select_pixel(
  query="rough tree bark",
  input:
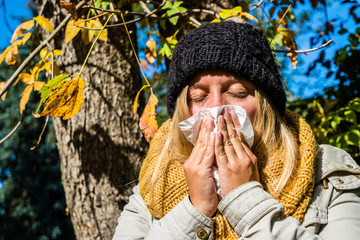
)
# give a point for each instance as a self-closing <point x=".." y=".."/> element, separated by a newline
<point x="101" y="146"/>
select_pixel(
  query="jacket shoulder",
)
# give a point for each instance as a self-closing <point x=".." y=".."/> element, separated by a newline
<point x="338" y="167"/>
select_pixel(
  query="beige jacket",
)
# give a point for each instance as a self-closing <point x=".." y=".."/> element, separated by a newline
<point x="334" y="211"/>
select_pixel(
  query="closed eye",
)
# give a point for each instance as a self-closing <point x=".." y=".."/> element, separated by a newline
<point x="238" y="94"/>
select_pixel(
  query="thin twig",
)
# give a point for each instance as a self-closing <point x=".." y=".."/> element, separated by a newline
<point x="36" y="51"/>
<point x="42" y="132"/>
<point x="150" y="15"/>
<point x="14" y="129"/>
<point x="256" y="6"/>
<point x="303" y="51"/>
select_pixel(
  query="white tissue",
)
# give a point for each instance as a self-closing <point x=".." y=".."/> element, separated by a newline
<point x="191" y="128"/>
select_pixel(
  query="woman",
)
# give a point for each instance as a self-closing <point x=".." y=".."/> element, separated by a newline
<point x="284" y="186"/>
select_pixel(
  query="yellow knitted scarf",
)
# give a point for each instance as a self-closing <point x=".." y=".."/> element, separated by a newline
<point x="170" y="187"/>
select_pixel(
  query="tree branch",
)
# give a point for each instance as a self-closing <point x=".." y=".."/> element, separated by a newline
<point x="12" y="79"/>
<point x="256" y="6"/>
<point x="14" y="129"/>
<point x="303" y="51"/>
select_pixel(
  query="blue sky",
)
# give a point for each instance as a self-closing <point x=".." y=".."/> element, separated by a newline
<point x="299" y="84"/>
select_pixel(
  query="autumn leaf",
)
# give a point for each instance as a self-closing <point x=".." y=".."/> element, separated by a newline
<point x="2" y="84"/>
<point x="66" y="101"/>
<point x="148" y="123"/>
<point x="150" y="50"/>
<point x="44" y="23"/>
<point x="92" y="33"/>
<point x="26" y="78"/>
<point x="136" y="99"/>
<point x="249" y="16"/>
<point x="25" y="97"/>
<point x="71" y="31"/>
<point x="25" y="26"/>
<point x="50" y="87"/>
<point x="38" y="85"/>
<point x="12" y="54"/>
<point x="71" y="8"/>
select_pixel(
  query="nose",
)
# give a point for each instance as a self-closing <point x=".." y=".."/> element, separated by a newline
<point x="216" y="100"/>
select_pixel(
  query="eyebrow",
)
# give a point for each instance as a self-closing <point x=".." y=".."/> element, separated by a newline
<point x="197" y="85"/>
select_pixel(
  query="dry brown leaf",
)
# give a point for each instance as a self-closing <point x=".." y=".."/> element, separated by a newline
<point x="25" y="97"/>
<point x="71" y="8"/>
<point x="148" y="123"/>
<point x="2" y="84"/>
<point x="25" y="26"/>
<point x="66" y="101"/>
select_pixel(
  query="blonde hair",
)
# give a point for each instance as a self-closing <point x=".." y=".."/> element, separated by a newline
<point x="269" y="128"/>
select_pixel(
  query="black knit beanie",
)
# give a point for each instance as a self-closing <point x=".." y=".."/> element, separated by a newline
<point x="238" y="48"/>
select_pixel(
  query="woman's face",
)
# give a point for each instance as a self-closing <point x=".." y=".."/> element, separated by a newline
<point x="216" y="88"/>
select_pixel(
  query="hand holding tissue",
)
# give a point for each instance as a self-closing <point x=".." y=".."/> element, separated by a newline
<point x="191" y="127"/>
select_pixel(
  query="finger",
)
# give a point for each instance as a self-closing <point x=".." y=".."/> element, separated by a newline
<point x="220" y="154"/>
<point x="227" y="143"/>
<point x="236" y="122"/>
<point x="202" y="141"/>
<point x="233" y="135"/>
<point x="205" y="129"/>
<point x="208" y="158"/>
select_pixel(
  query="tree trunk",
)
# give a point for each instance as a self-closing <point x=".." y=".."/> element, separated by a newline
<point x="100" y="147"/>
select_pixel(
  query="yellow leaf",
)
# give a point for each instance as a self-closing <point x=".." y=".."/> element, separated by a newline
<point x="38" y="85"/>
<point x="249" y="16"/>
<point x="2" y="84"/>
<point x="150" y="51"/>
<point x="57" y="52"/>
<point x="148" y="123"/>
<point x="11" y="55"/>
<point x="25" y="26"/>
<point x="92" y="33"/>
<point x="66" y="101"/>
<point x="136" y="99"/>
<point x="25" y="38"/>
<point x="25" y="78"/>
<point x="44" y="23"/>
<point x="25" y="97"/>
<point x="43" y="53"/>
<point x="71" y="31"/>
<point x="85" y="36"/>
<point x="4" y="53"/>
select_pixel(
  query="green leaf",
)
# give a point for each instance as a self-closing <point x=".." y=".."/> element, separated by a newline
<point x="350" y="116"/>
<point x="353" y="137"/>
<point x="226" y="13"/>
<point x="174" y="19"/>
<point x="168" y="5"/>
<point x="167" y="51"/>
<point x="50" y="87"/>
<point x="177" y="4"/>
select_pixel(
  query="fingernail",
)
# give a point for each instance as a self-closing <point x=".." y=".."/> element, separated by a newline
<point x="221" y="119"/>
<point x="226" y="112"/>
<point x="208" y="122"/>
<point x="233" y="114"/>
